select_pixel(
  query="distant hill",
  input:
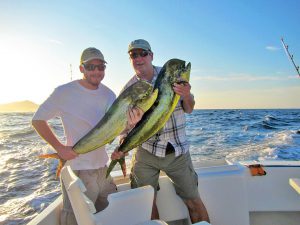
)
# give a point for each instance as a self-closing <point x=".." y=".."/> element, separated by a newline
<point x="21" y="106"/>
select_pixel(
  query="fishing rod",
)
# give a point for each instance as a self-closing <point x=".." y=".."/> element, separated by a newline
<point x="286" y="47"/>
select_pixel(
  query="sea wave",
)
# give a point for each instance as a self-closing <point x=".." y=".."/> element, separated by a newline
<point x="272" y="147"/>
<point x="28" y="184"/>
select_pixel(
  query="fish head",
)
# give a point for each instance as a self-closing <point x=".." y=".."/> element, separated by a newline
<point x="138" y="91"/>
<point x="146" y="103"/>
<point x="177" y="71"/>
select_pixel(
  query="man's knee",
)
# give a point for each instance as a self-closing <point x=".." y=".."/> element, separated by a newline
<point x="193" y="203"/>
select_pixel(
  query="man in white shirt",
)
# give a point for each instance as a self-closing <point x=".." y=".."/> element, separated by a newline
<point x="81" y="104"/>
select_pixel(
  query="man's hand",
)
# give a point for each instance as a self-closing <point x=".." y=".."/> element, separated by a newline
<point x="117" y="155"/>
<point x="66" y="153"/>
<point x="183" y="89"/>
<point x="134" y="115"/>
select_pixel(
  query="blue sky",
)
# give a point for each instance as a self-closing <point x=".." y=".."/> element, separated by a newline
<point x="234" y="46"/>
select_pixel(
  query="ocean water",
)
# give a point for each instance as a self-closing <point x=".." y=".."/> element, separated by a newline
<point x="28" y="184"/>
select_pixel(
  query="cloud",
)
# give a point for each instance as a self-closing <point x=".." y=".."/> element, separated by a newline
<point x="272" y="48"/>
<point x="242" y="77"/>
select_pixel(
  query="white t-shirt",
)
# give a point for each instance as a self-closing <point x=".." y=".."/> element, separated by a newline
<point x="80" y="109"/>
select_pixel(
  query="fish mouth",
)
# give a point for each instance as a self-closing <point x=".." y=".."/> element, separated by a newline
<point x="181" y="82"/>
<point x="181" y="76"/>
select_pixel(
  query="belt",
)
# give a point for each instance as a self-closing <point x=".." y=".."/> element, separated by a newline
<point x="169" y="149"/>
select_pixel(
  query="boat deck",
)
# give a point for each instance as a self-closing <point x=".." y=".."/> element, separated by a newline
<point x="231" y="195"/>
<point x="274" y="218"/>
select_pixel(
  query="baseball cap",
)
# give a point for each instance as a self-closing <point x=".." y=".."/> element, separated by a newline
<point x="91" y="53"/>
<point x="139" y="43"/>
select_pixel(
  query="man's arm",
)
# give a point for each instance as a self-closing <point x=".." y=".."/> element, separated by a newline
<point x="44" y="130"/>
<point x="184" y="90"/>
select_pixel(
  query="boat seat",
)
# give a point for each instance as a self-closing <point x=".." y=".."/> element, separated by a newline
<point x="295" y="183"/>
<point x="223" y="192"/>
<point x="130" y="207"/>
<point x="169" y="204"/>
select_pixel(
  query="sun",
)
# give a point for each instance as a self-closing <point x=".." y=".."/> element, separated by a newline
<point x="24" y="69"/>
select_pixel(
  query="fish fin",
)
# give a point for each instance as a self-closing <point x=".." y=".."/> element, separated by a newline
<point x="61" y="162"/>
<point x="122" y="163"/>
<point x="110" y="167"/>
<point x="113" y="163"/>
<point x="49" y="156"/>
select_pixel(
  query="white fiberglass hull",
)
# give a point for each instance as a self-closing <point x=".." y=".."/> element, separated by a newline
<point x="231" y="195"/>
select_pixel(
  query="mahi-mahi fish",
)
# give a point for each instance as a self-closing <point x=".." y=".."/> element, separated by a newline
<point x="140" y="95"/>
<point x="173" y="71"/>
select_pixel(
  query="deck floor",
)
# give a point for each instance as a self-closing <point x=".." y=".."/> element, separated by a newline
<point x="263" y="218"/>
<point x="274" y="218"/>
<point x="179" y="222"/>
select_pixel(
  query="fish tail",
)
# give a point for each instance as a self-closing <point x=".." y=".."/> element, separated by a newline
<point x="49" y="156"/>
<point x="122" y="163"/>
<point x="61" y="162"/>
<point x="110" y="167"/>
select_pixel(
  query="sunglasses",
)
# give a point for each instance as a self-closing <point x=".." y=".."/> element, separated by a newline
<point x="134" y="55"/>
<point x="92" y="67"/>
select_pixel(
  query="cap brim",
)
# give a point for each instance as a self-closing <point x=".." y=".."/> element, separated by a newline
<point x="138" y="47"/>
<point x="94" y="58"/>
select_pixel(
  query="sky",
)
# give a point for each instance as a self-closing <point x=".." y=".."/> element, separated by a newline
<point x="234" y="46"/>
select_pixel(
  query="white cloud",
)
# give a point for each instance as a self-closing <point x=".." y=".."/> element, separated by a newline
<point x="272" y="48"/>
<point x="242" y="77"/>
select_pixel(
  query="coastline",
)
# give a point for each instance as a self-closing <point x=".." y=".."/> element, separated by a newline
<point x="20" y="106"/>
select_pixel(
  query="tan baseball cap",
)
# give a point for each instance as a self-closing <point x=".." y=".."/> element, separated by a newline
<point x="139" y="43"/>
<point x="91" y="53"/>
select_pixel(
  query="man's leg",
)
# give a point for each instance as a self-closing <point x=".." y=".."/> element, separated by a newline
<point x="197" y="210"/>
<point x="144" y="171"/>
<point x="154" y="214"/>
<point x="180" y="170"/>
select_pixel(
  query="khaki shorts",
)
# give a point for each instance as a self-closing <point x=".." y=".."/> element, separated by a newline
<point x="146" y="168"/>
<point x="98" y="188"/>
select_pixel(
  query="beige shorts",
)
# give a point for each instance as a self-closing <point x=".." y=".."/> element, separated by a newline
<point x="98" y="187"/>
<point x="146" y="168"/>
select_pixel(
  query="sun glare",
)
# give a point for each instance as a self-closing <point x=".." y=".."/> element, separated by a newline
<point x="23" y="69"/>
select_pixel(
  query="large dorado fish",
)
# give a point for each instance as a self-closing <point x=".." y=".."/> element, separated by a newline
<point x="173" y="71"/>
<point x="140" y="94"/>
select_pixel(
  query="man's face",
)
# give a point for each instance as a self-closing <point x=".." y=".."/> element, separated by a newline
<point x="141" y="60"/>
<point x="94" y="71"/>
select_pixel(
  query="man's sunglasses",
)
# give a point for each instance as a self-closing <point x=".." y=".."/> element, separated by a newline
<point x="92" y="67"/>
<point x="134" y="55"/>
